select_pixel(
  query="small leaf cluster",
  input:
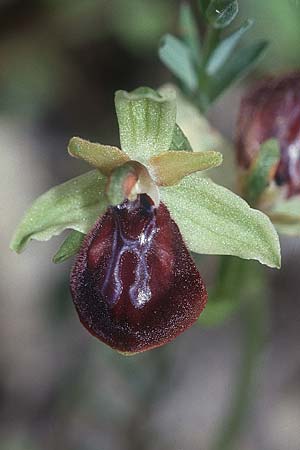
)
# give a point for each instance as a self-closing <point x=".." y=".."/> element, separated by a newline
<point x="206" y="64"/>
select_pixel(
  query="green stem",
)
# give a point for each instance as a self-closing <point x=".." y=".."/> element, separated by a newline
<point x="211" y="40"/>
<point x="139" y="437"/>
<point x="254" y="325"/>
<point x="254" y="306"/>
<point x="202" y="99"/>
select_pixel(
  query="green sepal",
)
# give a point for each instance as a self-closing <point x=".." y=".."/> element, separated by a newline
<point x="214" y="220"/>
<point x="75" y="204"/>
<point x="69" y="247"/>
<point x="262" y="170"/>
<point x="146" y="122"/>
<point x="220" y="13"/>
<point x="103" y="157"/>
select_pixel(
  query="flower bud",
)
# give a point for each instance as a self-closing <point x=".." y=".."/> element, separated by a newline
<point x="272" y="110"/>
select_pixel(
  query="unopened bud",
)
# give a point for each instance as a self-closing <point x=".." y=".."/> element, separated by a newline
<point x="272" y="110"/>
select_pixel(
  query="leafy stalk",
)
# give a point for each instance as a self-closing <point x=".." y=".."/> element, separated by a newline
<point x="218" y="66"/>
<point x="254" y="319"/>
<point x="206" y="67"/>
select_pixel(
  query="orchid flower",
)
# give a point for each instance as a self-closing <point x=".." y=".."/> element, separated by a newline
<point x="268" y="142"/>
<point x="136" y="219"/>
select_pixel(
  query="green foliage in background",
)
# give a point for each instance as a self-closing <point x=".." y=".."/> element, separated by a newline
<point x="206" y="67"/>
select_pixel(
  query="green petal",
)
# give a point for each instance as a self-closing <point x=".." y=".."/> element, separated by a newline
<point x="104" y="157"/>
<point x="146" y="122"/>
<point x="75" y="204"/>
<point x="213" y="220"/>
<point x="170" y="167"/>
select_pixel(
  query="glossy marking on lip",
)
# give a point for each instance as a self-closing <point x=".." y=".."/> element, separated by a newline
<point x="139" y="292"/>
<point x="134" y="283"/>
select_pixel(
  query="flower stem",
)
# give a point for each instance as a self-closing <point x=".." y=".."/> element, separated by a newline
<point x="254" y="319"/>
<point x="211" y="40"/>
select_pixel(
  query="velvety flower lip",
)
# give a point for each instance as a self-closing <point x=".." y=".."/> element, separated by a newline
<point x="272" y="110"/>
<point x="134" y="283"/>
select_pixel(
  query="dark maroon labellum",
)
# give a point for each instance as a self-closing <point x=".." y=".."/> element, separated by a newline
<point x="272" y="110"/>
<point x="134" y="283"/>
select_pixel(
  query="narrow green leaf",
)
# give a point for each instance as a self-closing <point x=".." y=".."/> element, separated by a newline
<point x="170" y="167"/>
<point x="180" y="141"/>
<point x="146" y="122"/>
<point x="223" y="51"/>
<point x="178" y="58"/>
<point x="213" y="220"/>
<point x="236" y="67"/>
<point x="262" y="170"/>
<point x="220" y="13"/>
<point x="286" y="216"/>
<point x="104" y="157"/>
<point x="75" y="204"/>
<point x="190" y="32"/>
<point x="69" y="247"/>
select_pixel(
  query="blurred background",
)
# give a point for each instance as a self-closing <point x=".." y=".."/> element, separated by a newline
<point x="60" y="63"/>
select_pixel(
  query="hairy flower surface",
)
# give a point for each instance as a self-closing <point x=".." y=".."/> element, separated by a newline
<point x="134" y="284"/>
<point x="272" y="110"/>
